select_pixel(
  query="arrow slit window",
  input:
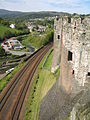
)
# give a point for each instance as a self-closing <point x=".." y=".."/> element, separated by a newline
<point x="89" y="74"/>
<point x="58" y="36"/>
<point x="69" y="56"/>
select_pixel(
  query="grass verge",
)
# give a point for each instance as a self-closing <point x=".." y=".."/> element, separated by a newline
<point x="6" y="79"/>
<point x="43" y="81"/>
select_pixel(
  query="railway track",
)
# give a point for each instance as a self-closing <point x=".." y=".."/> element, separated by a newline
<point x="13" y="96"/>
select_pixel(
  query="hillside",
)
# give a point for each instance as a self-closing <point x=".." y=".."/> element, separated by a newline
<point x="6" y="32"/>
<point x="28" y="15"/>
<point x="7" y="14"/>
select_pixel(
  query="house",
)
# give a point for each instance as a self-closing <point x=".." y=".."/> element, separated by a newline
<point x="41" y="28"/>
<point x="12" y="26"/>
<point x="11" y="44"/>
<point x="33" y="27"/>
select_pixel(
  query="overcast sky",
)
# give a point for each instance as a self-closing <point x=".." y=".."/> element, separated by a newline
<point x="71" y="6"/>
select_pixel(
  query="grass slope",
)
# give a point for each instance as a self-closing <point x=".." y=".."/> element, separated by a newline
<point x="6" y="32"/>
<point x="43" y="81"/>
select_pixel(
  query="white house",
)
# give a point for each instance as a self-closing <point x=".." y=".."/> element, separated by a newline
<point x="12" y="26"/>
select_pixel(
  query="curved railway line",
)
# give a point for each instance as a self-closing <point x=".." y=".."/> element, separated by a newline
<point x="13" y="96"/>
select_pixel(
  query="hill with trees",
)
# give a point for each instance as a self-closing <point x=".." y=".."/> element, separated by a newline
<point x="29" y="15"/>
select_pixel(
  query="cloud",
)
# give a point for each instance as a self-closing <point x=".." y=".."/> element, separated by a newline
<point x="11" y="1"/>
<point x="65" y="3"/>
<point x="79" y="6"/>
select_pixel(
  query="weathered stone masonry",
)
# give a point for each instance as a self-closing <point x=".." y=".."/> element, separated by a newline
<point x="57" y="44"/>
<point x="71" y="93"/>
<point x="72" y="51"/>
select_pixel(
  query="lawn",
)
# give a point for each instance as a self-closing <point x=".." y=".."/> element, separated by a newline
<point x="43" y="81"/>
<point x="48" y="62"/>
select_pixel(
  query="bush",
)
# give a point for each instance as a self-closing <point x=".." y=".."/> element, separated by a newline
<point x="2" y="51"/>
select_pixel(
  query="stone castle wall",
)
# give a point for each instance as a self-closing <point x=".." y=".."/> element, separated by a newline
<point x="57" y="44"/>
<point x="68" y="96"/>
<point x="72" y="51"/>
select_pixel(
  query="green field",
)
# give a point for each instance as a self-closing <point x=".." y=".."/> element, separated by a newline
<point x="43" y="81"/>
<point x="6" y="32"/>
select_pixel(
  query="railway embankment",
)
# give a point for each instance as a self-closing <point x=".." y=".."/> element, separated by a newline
<point x="43" y="81"/>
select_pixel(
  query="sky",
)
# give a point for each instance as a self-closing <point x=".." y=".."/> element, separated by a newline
<point x="71" y="6"/>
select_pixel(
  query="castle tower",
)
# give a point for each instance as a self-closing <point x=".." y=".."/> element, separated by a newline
<point x="71" y="51"/>
<point x="57" y="44"/>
